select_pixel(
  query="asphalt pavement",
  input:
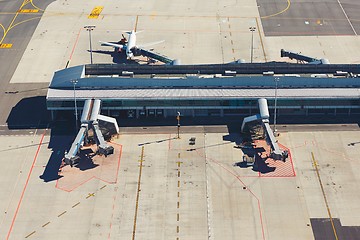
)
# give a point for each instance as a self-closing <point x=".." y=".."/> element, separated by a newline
<point x="18" y="21"/>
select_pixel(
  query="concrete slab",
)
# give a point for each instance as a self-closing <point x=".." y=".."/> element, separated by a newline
<point x="193" y="32"/>
<point x="186" y="191"/>
<point x="192" y="35"/>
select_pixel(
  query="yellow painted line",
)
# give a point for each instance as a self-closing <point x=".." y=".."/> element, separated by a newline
<point x="261" y="40"/>
<point x="323" y="192"/>
<point x="12" y="21"/>
<point x="90" y="195"/>
<point x="96" y="12"/>
<point x="45" y="224"/>
<point x="29" y="10"/>
<point x="278" y="13"/>
<point x="27" y="20"/>
<point x="178" y="163"/>
<point x="153" y="15"/>
<point x="76" y="204"/>
<point x="36" y="6"/>
<point x="30" y="234"/>
<point x="138" y="194"/>
<point x="62" y="213"/>
<point x="6" y="45"/>
<point x="136" y="22"/>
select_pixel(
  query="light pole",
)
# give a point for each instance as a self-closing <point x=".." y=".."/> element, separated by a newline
<point x="252" y="30"/>
<point x="89" y="29"/>
<point x="178" y="125"/>
<point x="275" y="113"/>
<point x="74" y="82"/>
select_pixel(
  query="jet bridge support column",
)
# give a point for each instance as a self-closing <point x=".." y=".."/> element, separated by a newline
<point x="103" y="147"/>
<point x="72" y="157"/>
<point x="89" y="119"/>
<point x="263" y="117"/>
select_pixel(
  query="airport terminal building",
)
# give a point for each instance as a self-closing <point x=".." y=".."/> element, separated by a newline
<point x="228" y="94"/>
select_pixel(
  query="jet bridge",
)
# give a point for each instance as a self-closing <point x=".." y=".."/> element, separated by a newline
<point x="90" y="120"/>
<point x="263" y="117"/>
<point x="302" y="58"/>
<point x="159" y="57"/>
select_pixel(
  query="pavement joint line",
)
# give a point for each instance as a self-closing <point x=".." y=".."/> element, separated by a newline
<point x="26" y="184"/>
<point x="62" y="213"/>
<point x="208" y="160"/>
<point x="76" y="204"/>
<point x="178" y="184"/>
<point x="178" y="204"/>
<point x="177" y="229"/>
<point x="29" y="235"/>
<point x="46" y="224"/>
<point x="261" y="40"/>
<point x="103" y="187"/>
<point x="324" y="195"/>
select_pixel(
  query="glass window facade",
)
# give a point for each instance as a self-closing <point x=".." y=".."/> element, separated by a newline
<point x="211" y="103"/>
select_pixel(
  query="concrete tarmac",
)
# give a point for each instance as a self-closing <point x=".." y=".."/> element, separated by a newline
<point x="165" y="188"/>
<point x="157" y="186"/>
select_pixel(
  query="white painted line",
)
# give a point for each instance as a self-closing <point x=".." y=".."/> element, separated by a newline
<point x="347" y="17"/>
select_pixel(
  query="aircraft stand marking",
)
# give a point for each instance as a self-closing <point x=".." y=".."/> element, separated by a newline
<point x="315" y="164"/>
<point x="96" y="12"/>
<point x="138" y="192"/>
<point x="61" y="214"/>
<point x="261" y="40"/>
<point x="5" y="45"/>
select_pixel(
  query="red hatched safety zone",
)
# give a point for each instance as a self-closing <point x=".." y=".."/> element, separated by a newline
<point x="276" y="168"/>
<point x="98" y="167"/>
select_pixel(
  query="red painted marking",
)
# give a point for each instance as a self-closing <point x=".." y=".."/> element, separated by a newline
<point x="70" y="189"/>
<point x="242" y="183"/>
<point x="76" y="41"/>
<point x="282" y="169"/>
<point x="112" y="215"/>
<point x="26" y="184"/>
<point x="118" y="168"/>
